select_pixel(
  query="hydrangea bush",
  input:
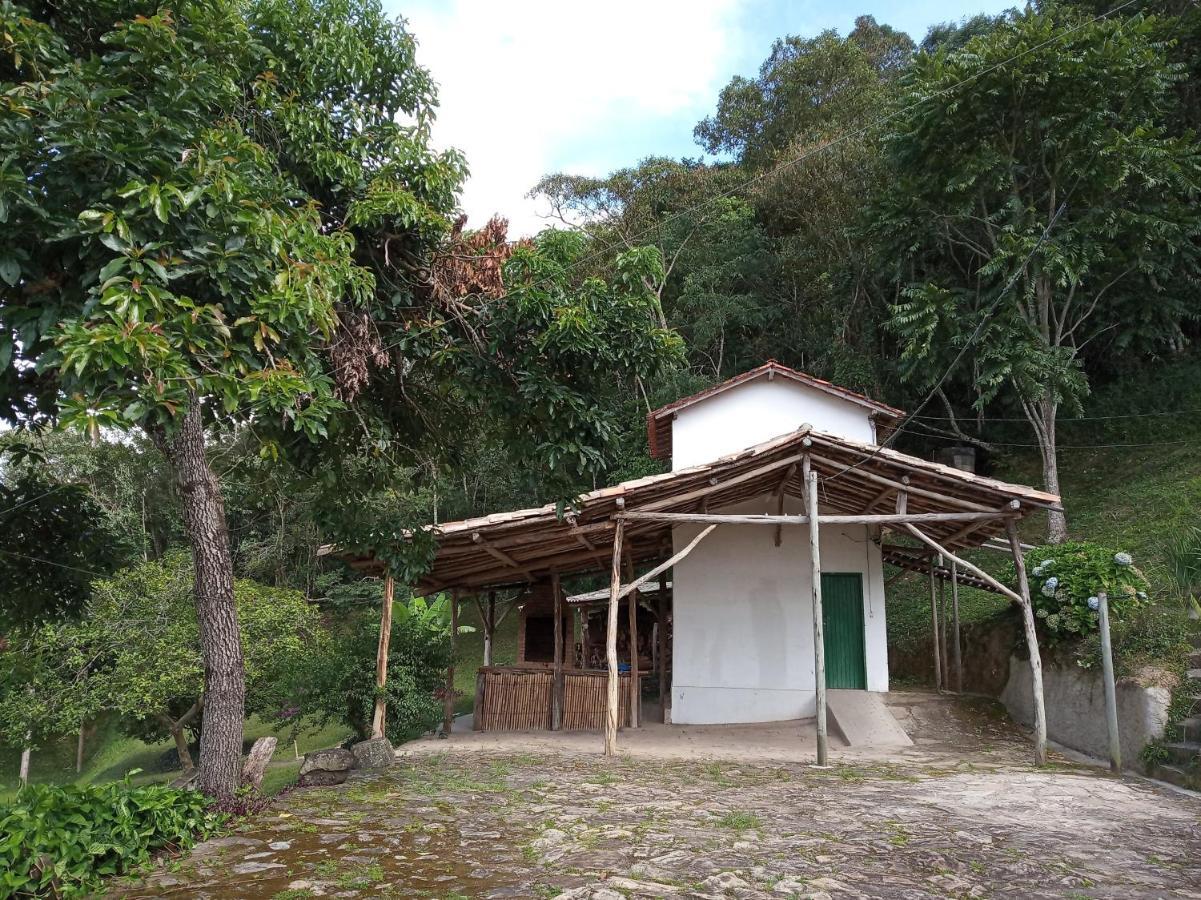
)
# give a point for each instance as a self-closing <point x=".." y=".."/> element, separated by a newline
<point x="1067" y="579"/>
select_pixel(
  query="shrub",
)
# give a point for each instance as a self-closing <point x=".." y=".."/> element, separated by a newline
<point x="61" y="841"/>
<point x="1064" y="578"/>
<point x="1152" y="636"/>
<point x="340" y="685"/>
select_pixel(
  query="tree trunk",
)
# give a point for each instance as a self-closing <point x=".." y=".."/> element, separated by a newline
<point x="79" y="750"/>
<point x="181" y="748"/>
<point x="1042" y="414"/>
<point x="1057" y="523"/>
<point x="220" y="640"/>
<point x="24" y="773"/>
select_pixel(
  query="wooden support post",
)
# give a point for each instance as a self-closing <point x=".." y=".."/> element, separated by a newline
<point x="635" y="692"/>
<point x="1036" y="662"/>
<point x="381" y="658"/>
<point x="934" y="625"/>
<point x="489" y="627"/>
<point x="662" y="636"/>
<point x="611" y="645"/>
<point x="448" y="707"/>
<point x="942" y="614"/>
<point x="1111" y="689"/>
<point x="955" y="621"/>
<point x="819" y="647"/>
<point x="556" y="711"/>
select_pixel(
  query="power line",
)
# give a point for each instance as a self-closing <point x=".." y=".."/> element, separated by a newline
<point x="968" y="417"/>
<point x="1059" y="446"/>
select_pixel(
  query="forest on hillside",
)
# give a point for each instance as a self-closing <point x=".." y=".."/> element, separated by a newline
<point x="262" y="326"/>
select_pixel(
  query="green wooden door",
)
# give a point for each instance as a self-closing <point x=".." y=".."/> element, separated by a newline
<point x="842" y="621"/>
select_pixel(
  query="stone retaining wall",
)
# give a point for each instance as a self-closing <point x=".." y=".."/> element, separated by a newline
<point x="1075" y="702"/>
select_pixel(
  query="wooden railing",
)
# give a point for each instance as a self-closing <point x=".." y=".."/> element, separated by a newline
<point x="508" y="698"/>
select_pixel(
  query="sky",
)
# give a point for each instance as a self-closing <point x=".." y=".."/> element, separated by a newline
<point x="530" y="87"/>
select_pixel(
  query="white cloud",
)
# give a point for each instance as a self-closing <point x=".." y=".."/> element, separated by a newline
<point x="526" y="85"/>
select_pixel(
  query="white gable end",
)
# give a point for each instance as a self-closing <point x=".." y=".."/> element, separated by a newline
<point x="757" y="411"/>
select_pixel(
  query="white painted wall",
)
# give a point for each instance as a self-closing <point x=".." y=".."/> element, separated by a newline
<point x="743" y="624"/>
<point x="757" y="411"/>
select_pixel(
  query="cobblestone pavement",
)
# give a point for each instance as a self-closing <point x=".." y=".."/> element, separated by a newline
<point x="961" y="815"/>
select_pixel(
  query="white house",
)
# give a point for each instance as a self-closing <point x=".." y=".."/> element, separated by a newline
<point x="757" y="463"/>
<point x="743" y="644"/>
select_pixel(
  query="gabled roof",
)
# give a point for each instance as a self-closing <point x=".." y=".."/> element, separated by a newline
<point x="658" y="422"/>
<point x="526" y="545"/>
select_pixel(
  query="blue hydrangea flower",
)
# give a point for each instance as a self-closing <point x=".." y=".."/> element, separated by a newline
<point x="1046" y="564"/>
<point x="1094" y="603"/>
<point x="1049" y="586"/>
<point x="1038" y="572"/>
<point x="1123" y="559"/>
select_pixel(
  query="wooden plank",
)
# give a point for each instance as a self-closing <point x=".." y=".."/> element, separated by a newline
<point x="663" y="567"/>
<point x="864" y="474"/>
<point x="955" y="623"/>
<point x="496" y="553"/>
<point x="825" y="519"/>
<point x="976" y="570"/>
<point x="720" y="485"/>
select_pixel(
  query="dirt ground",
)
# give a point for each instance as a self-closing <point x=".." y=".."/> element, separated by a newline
<point x="961" y="814"/>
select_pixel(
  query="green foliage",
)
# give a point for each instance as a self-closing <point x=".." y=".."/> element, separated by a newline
<point x="340" y="686"/>
<point x="1184" y="565"/>
<point x="987" y="144"/>
<point x="53" y="540"/>
<point x="1156" y="636"/>
<point x="1065" y="580"/>
<point x="568" y="341"/>
<point x="136" y="651"/>
<point x="803" y="85"/>
<point x="207" y="257"/>
<point x="61" y="841"/>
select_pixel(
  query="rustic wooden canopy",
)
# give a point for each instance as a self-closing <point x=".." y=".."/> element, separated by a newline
<point x="856" y="482"/>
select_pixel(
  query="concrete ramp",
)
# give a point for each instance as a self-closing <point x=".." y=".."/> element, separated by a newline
<point x="863" y="719"/>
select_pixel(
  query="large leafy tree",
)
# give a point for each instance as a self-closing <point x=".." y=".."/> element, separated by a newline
<point x="227" y="212"/>
<point x="168" y="262"/>
<point x="1039" y="211"/>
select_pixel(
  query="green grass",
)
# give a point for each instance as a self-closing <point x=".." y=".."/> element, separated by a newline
<point x="1135" y="498"/>
<point x="740" y="821"/>
<point x="470" y="650"/>
<point x="113" y="755"/>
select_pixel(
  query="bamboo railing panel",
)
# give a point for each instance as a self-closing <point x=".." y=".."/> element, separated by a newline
<point x="519" y="699"/>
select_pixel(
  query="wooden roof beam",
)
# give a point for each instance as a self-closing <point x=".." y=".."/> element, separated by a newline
<point x="937" y="496"/>
<point x="902" y="518"/>
<point x="715" y="484"/>
<point x="498" y="554"/>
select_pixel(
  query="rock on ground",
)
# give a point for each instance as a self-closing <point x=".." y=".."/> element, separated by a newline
<point x="375" y="753"/>
<point x="325" y="767"/>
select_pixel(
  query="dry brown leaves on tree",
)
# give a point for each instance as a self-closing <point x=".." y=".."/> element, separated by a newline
<point x="468" y="267"/>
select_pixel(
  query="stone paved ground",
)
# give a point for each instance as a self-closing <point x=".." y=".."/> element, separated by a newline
<point x="962" y="815"/>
